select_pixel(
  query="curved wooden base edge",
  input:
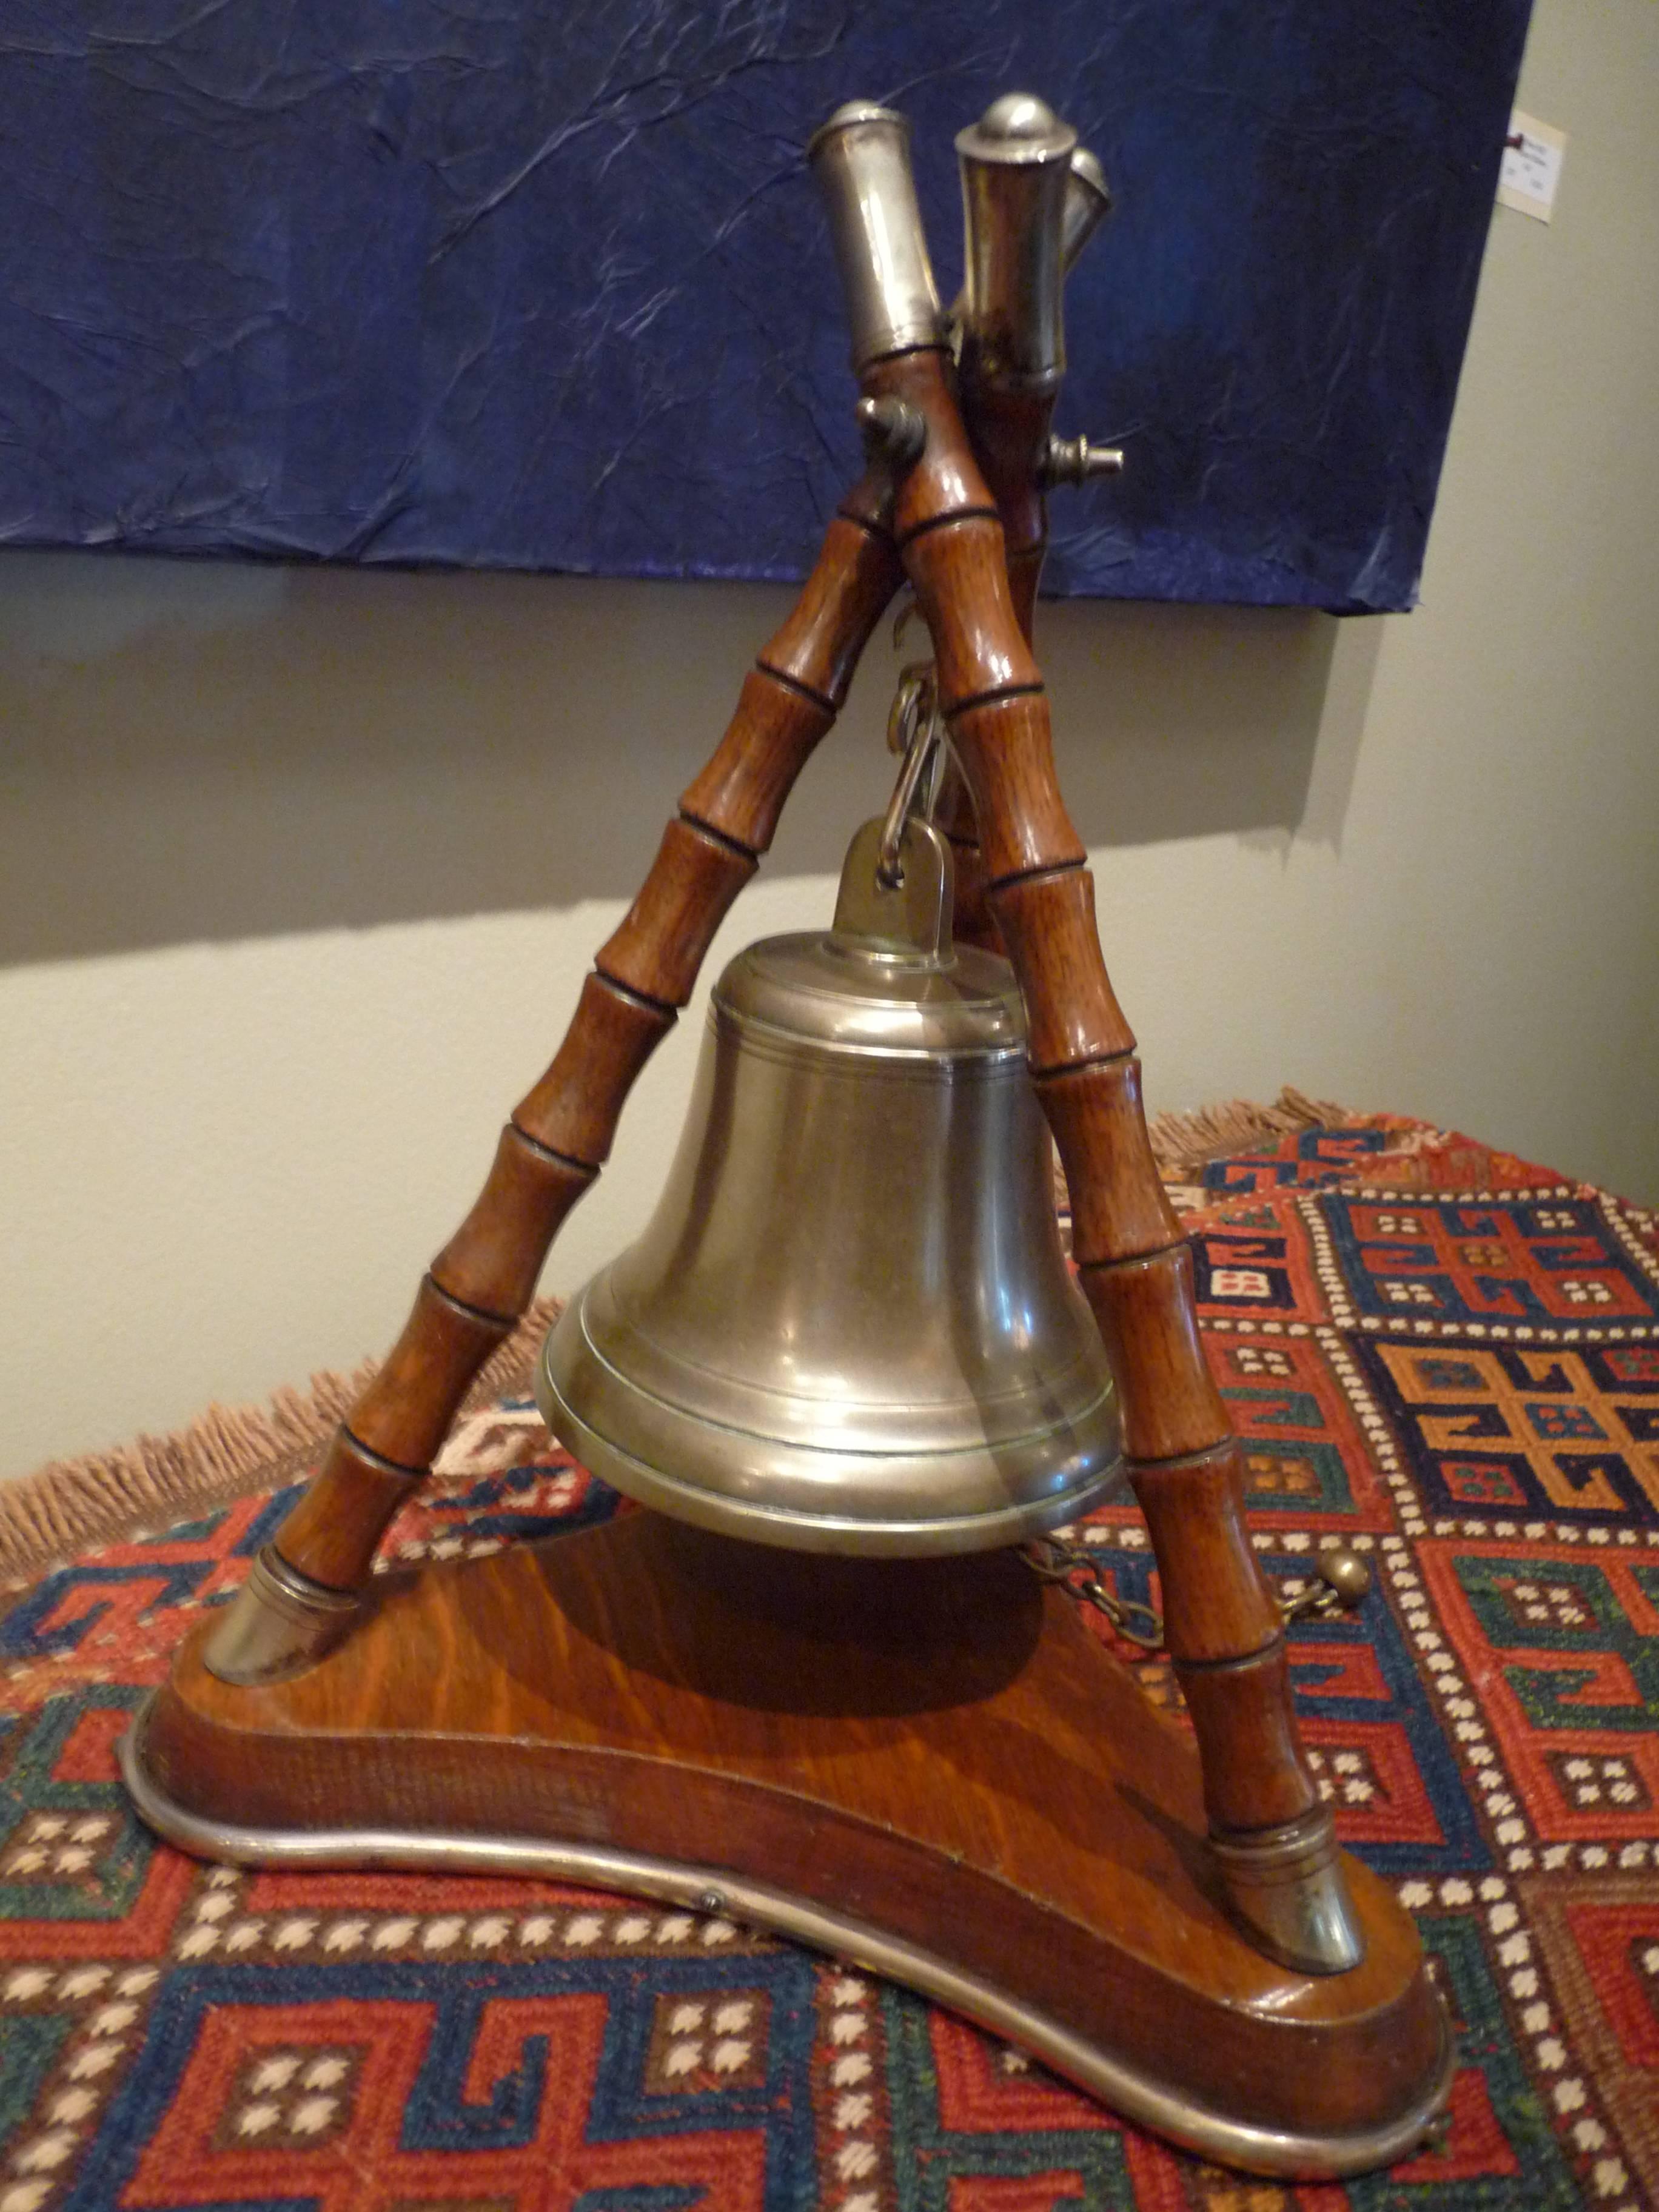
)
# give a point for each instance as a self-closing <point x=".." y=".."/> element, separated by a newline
<point x="930" y="1768"/>
<point x="1223" y="2136"/>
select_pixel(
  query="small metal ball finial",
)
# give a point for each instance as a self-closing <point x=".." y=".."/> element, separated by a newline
<point x="1344" y="1581"/>
<point x="1015" y="132"/>
<point x="1345" y="1573"/>
<point x="1018" y="115"/>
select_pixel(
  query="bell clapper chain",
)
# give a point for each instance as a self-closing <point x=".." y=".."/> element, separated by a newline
<point x="1343" y="1584"/>
<point x="1051" y="1559"/>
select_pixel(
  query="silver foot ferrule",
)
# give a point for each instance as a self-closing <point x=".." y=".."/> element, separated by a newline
<point x="1287" y="1887"/>
<point x="279" y="1623"/>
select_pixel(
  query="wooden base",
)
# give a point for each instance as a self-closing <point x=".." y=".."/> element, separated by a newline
<point x="931" y="1768"/>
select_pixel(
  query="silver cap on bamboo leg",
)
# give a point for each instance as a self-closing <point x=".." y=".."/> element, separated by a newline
<point x="1015" y="164"/>
<point x="1088" y="203"/>
<point x="861" y="158"/>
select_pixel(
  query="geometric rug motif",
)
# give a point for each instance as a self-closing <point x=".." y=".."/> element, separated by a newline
<point x="1442" y="1354"/>
<point x="1259" y="1262"/>
<point x="1387" y="1148"/>
<point x="1558" y="1265"/>
<point x="1558" y="1431"/>
<point x="1302" y="1416"/>
<point x="1566" y="1645"/>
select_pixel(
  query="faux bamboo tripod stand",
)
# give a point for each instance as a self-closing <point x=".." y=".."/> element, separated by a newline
<point x="1181" y="1935"/>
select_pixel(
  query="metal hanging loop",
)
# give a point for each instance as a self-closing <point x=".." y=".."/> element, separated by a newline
<point x="915" y="732"/>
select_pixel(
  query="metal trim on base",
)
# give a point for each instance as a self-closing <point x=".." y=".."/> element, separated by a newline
<point x="1135" y="2095"/>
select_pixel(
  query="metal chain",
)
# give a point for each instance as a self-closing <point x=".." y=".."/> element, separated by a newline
<point x="1053" y="1561"/>
<point x="1340" y="1587"/>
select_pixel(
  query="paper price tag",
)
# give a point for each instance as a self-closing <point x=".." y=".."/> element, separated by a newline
<point x="1532" y="167"/>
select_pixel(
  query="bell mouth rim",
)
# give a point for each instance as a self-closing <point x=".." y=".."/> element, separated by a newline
<point x="794" y="1527"/>
<point x="603" y="1346"/>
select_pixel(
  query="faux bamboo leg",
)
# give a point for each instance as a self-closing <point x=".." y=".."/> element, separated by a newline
<point x="1005" y="434"/>
<point x="972" y="921"/>
<point x="301" y="1595"/>
<point x="1275" y="1841"/>
<point x="1009" y="434"/>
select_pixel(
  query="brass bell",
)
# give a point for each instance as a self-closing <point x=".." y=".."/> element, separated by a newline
<point x="849" y="1326"/>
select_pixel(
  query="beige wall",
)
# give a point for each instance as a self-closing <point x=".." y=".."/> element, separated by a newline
<point x="300" y="871"/>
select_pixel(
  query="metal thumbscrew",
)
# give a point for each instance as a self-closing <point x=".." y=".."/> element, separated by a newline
<point x="1344" y="1581"/>
<point x="894" y="432"/>
<point x="1075" y="461"/>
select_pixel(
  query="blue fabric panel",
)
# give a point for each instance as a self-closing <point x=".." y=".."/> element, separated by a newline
<point x="539" y="286"/>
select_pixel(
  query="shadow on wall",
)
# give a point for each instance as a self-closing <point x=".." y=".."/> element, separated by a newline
<point x="220" y="751"/>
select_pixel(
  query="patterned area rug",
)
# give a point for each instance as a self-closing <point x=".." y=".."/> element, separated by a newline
<point x="1443" y="1354"/>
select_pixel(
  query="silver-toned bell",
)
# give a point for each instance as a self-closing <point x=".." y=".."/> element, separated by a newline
<point x="849" y="1326"/>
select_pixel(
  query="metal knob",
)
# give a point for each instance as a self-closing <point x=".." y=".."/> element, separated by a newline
<point x="1075" y="461"/>
<point x="1344" y="1585"/>
<point x="894" y="432"/>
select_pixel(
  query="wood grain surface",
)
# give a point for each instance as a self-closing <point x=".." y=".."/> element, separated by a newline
<point x="939" y="1748"/>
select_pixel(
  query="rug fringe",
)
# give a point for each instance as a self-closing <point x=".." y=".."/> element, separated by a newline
<point x="64" y="1506"/>
<point x="1183" y="1141"/>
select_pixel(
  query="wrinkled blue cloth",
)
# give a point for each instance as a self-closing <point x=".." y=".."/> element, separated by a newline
<point x="548" y="286"/>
